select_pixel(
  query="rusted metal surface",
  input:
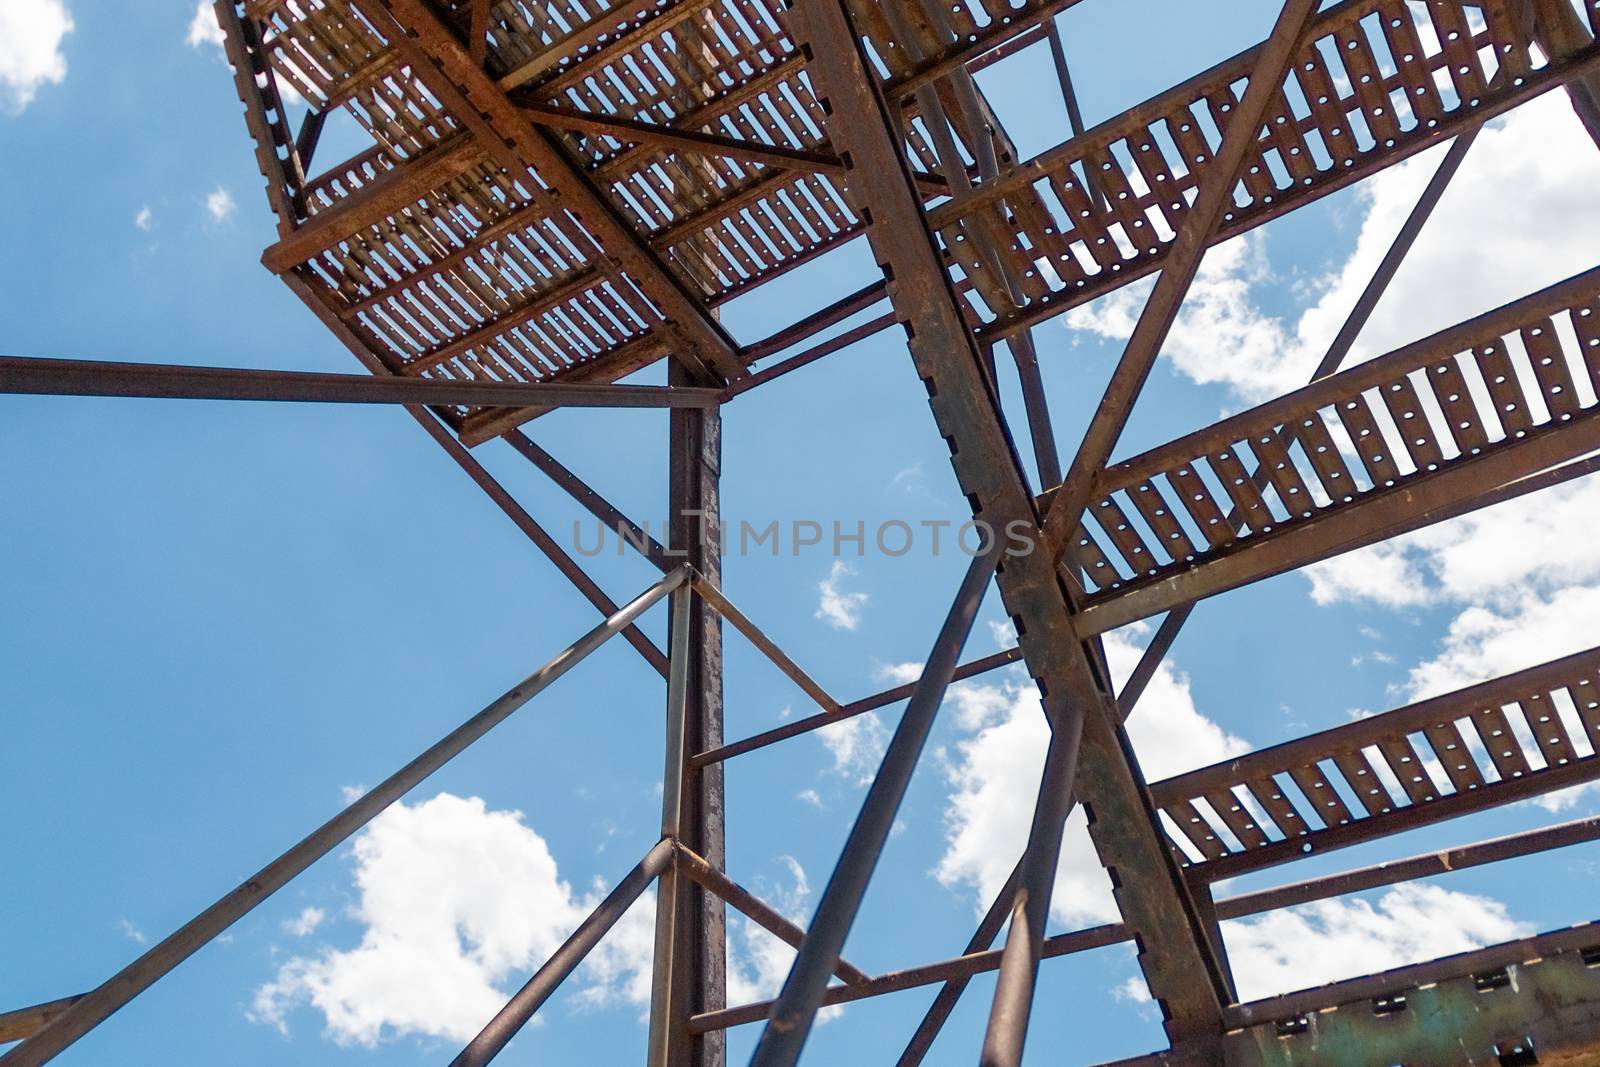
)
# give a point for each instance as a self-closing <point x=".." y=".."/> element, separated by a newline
<point x="1175" y="959"/>
<point x="1535" y="1001"/>
<point x="694" y="492"/>
<point x="958" y="971"/>
<point x="1338" y="451"/>
<point x="84" y="377"/>
<point x="1487" y="745"/>
<point x="559" y="193"/>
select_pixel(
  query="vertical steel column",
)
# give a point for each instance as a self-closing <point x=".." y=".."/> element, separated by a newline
<point x="672" y="967"/>
<point x="695" y="534"/>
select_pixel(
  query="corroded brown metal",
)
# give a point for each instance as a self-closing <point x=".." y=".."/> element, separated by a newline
<point x="1491" y="744"/>
<point x="563" y="191"/>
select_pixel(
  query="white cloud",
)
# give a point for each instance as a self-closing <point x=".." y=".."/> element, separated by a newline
<point x="810" y="796"/>
<point x="203" y="27"/>
<point x="1494" y="556"/>
<point x="145" y="220"/>
<point x="219" y="204"/>
<point x="1330" y="940"/>
<point x="856" y="745"/>
<point x="305" y="924"/>
<point x="1525" y="190"/>
<point x="31" y="32"/>
<point x="131" y="932"/>
<point x="459" y="904"/>
<point x="995" y="774"/>
<point x="1334" y="939"/>
<point x="836" y="607"/>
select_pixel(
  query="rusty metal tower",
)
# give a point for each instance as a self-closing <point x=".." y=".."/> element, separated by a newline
<point x="558" y="193"/>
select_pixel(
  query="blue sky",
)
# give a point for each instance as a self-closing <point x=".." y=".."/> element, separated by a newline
<point x="219" y="617"/>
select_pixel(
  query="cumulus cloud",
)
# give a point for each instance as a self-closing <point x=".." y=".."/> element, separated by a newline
<point x="145" y="219"/>
<point x="31" y="32"/>
<point x="1330" y="940"/>
<point x="835" y="606"/>
<point x="1334" y="939"/>
<point x="458" y="905"/>
<point x="203" y="28"/>
<point x="994" y="774"/>
<point x="219" y="204"/>
<point x="1495" y="556"/>
<point x="306" y="923"/>
<point x="1525" y="191"/>
<point x="131" y="932"/>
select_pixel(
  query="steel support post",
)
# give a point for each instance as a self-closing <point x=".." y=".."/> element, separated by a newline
<point x="694" y="535"/>
<point x="671" y="967"/>
<point x="1175" y="956"/>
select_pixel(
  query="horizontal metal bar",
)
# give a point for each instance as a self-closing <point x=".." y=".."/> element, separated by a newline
<point x="961" y="967"/>
<point x="653" y="133"/>
<point x="1372" y="986"/>
<point x="95" y="1007"/>
<point x="1393" y="872"/>
<point x="1523" y="1002"/>
<point x="82" y="377"/>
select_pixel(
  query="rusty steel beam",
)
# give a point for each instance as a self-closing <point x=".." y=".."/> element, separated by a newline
<point x="277" y="155"/>
<point x="1176" y="958"/>
<point x="84" y="377"/>
<point x="591" y="501"/>
<point x="1534" y="1001"/>
<point x="671" y="980"/>
<point x="393" y="190"/>
<point x="96" y="1006"/>
<point x="1182" y="263"/>
<point x="1377" y="813"/>
<point x="509" y="137"/>
<point x="694" y="533"/>
<point x="959" y="970"/>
